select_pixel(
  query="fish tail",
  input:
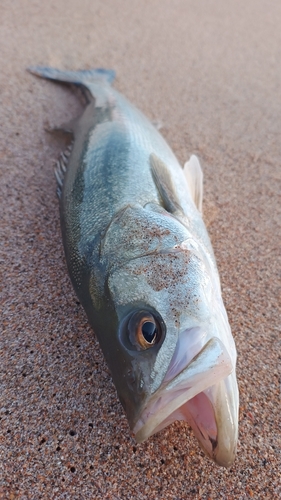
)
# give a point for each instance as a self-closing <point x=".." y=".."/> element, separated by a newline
<point x="82" y="77"/>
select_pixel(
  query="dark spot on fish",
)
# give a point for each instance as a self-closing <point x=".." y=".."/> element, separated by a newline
<point x="214" y="443"/>
<point x="58" y="448"/>
<point x="72" y="433"/>
<point x="72" y="469"/>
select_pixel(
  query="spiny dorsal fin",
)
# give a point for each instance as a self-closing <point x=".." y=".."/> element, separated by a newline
<point x="194" y="176"/>
<point x="164" y="184"/>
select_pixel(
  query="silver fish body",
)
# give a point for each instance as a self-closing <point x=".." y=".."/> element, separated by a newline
<point x="142" y="265"/>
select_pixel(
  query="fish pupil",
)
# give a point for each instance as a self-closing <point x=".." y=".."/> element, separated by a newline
<point x="149" y="331"/>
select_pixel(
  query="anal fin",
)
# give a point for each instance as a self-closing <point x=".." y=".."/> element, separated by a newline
<point x="60" y="168"/>
<point x="65" y="128"/>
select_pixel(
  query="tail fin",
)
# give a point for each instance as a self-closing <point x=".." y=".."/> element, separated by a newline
<point x="82" y="77"/>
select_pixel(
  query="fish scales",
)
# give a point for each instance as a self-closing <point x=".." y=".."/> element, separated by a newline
<point x="142" y="265"/>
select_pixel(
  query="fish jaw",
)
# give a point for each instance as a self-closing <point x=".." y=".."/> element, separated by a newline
<point x="205" y="395"/>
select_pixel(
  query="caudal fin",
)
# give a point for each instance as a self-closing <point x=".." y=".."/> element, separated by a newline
<point x="82" y="77"/>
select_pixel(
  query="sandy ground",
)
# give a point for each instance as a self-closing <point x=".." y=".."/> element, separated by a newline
<point x="210" y="72"/>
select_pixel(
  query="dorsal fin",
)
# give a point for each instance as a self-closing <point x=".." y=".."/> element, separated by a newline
<point x="164" y="184"/>
<point x="194" y="176"/>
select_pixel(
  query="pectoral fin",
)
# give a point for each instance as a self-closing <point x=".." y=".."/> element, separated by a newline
<point x="164" y="184"/>
<point x="194" y="176"/>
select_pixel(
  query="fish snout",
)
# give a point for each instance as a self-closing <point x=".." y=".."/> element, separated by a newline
<point x="204" y="394"/>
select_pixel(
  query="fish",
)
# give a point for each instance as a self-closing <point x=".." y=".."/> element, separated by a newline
<point x="142" y="265"/>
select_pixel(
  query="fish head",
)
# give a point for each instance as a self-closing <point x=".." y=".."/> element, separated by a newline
<point x="174" y="356"/>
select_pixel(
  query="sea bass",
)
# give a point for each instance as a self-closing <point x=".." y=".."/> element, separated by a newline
<point x="143" y="268"/>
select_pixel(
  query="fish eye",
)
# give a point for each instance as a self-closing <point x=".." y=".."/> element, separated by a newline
<point x="144" y="330"/>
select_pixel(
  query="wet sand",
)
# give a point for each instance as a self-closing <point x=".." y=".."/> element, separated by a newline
<point x="210" y="73"/>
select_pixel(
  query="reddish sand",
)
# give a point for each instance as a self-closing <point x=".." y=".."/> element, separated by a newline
<point x="210" y="72"/>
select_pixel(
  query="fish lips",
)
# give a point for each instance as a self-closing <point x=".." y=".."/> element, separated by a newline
<point x="205" y="395"/>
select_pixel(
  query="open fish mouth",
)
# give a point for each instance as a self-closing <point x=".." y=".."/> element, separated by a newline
<point x="204" y="393"/>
